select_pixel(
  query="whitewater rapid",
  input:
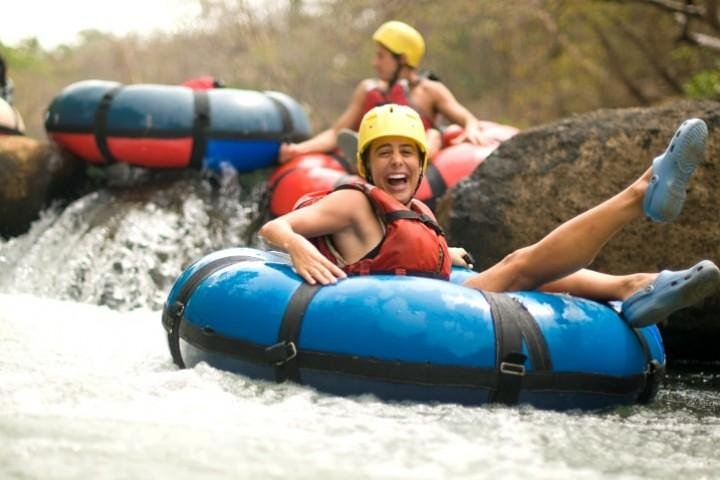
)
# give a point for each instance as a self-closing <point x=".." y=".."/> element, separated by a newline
<point x="88" y="388"/>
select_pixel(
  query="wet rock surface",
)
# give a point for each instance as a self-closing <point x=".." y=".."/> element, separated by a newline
<point x="548" y="174"/>
<point x="32" y="174"/>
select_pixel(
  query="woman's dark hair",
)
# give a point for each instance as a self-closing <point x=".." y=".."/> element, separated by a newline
<point x="3" y="71"/>
<point x="366" y="161"/>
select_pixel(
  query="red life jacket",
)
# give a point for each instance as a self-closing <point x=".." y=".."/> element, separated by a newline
<point x="413" y="244"/>
<point x="398" y="94"/>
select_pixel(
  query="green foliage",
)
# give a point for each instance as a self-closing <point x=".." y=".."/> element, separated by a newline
<point x="704" y="84"/>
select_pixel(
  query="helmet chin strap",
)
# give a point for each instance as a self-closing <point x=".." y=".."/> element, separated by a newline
<point x="417" y="187"/>
<point x="396" y="74"/>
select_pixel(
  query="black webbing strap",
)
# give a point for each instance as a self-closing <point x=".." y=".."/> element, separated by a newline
<point x="437" y="183"/>
<point x="284" y="353"/>
<point x="534" y="339"/>
<point x="411" y="215"/>
<point x="287" y="123"/>
<point x="415" y="373"/>
<point x="509" y="359"/>
<point x="655" y="371"/>
<point x="100" y="124"/>
<point x="208" y="339"/>
<point x="173" y="313"/>
<point x="201" y="121"/>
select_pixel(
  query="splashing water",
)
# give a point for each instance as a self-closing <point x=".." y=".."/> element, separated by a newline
<point x="88" y="389"/>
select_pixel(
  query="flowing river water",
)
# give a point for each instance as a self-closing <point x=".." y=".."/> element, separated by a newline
<point x="88" y="389"/>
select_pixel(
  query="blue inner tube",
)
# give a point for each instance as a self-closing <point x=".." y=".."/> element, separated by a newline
<point x="408" y="338"/>
<point x="241" y="128"/>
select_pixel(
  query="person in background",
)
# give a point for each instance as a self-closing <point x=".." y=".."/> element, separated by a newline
<point x="399" y="50"/>
<point x="379" y="227"/>
<point x="6" y="84"/>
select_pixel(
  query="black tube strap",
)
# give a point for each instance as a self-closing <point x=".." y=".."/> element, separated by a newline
<point x="513" y="324"/>
<point x="503" y="382"/>
<point x="287" y="123"/>
<point x="534" y="339"/>
<point x="172" y="315"/>
<point x="509" y="359"/>
<point x="100" y="124"/>
<point x="411" y="215"/>
<point x="413" y="373"/>
<point x="199" y="129"/>
<point x="655" y="371"/>
<point x="207" y="339"/>
<point x="284" y="354"/>
<point x="437" y="183"/>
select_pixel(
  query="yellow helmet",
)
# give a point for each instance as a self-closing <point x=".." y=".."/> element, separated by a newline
<point x="390" y="121"/>
<point x="401" y="38"/>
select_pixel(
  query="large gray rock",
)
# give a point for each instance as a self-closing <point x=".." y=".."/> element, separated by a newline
<point x="32" y="174"/>
<point x="548" y="174"/>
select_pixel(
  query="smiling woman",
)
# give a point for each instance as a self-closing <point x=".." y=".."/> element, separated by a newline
<point x="376" y="227"/>
<point x="380" y="227"/>
<point x="23" y="20"/>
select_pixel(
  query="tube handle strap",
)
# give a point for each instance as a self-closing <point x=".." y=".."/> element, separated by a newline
<point x="201" y="121"/>
<point x="513" y="325"/>
<point x="173" y="316"/>
<point x="284" y="354"/>
<point x="100" y="128"/>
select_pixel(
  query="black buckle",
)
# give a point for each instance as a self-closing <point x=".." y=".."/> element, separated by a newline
<point x="512" y="369"/>
<point x="170" y="314"/>
<point x="281" y="353"/>
<point x="513" y="364"/>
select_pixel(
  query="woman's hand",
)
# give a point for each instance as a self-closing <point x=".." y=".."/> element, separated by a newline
<point x="461" y="258"/>
<point x="312" y="265"/>
<point x="474" y="133"/>
<point x="288" y="151"/>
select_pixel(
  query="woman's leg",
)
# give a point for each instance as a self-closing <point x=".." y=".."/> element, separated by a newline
<point x="574" y="244"/>
<point x="601" y="287"/>
<point x="648" y="298"/>
<point x="567" y="249"/>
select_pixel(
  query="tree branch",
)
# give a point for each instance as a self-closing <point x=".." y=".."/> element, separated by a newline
<point x="672" y="6"/>
<point x="684" y="11"/>
<point x="650" y="56"/>
<point x="566" y="43"/>
<point x="617" y="64"/>
<point x="707" y="41"/>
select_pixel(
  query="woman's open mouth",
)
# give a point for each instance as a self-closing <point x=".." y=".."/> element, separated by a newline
<point x="397" y="181"/>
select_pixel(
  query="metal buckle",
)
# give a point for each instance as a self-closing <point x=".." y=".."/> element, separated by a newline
<point x="289" y="352"/>
<point x="512" y="369"/>
<point x="293" y="353"/>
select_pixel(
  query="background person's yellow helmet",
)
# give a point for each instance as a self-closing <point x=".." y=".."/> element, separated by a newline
<point x="401" y="38"/>
<point x="390" y="121"/>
